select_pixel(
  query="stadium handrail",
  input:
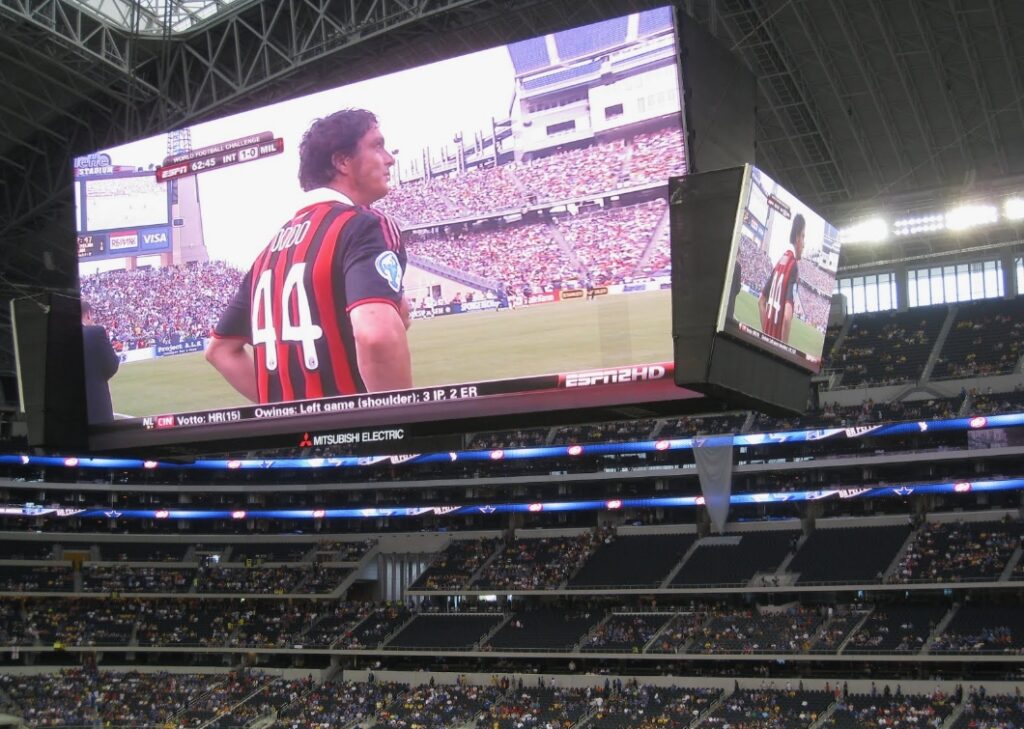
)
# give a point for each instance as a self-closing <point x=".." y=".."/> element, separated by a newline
<point x="687" y="657"/>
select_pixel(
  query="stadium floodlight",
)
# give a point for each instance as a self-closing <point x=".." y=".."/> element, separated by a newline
<point x="872" y="230"/>
<point x="919" y="224"/>
<point x="1013" y="208"/>
<point x="971" y="216"/>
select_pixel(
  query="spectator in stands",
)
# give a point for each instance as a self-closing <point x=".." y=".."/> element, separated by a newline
<point x="145" y="307"/>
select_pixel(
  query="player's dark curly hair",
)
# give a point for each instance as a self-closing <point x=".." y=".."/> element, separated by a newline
<point x="799" y="225"/>
<point x="338" y="133"/>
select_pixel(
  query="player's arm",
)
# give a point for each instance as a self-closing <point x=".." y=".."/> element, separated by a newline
<point x="789" y="308"/>
<point x="787" y="320"/>
<point x="382" y="347"/>
<point x="233" y="360"/>
<point x="762" y="303"/>
<point x="374" y="262"/>
<point x="403" y="311"/>
<point x="226" y="350"/>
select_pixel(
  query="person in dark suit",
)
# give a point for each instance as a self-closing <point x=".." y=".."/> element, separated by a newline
<point x="101" y="363"/>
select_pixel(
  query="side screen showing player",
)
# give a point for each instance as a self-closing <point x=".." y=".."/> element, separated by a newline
<point x="783" y="273"/>
<point x="778" y="298"/>
<point x="322" y="305"/>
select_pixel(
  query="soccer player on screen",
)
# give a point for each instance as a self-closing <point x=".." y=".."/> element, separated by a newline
<point x="778" y="298"/>
<point x="323" y="305"/>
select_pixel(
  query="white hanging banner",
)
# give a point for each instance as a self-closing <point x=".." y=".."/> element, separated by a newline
<point x="713" y="455"/>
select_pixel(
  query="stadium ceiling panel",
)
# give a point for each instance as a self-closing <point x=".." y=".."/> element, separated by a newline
<point x="156" y="17"/>
<point x="873" y="99"/>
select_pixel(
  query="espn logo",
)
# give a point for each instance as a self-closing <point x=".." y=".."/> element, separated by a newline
<point x="609" y="377"/>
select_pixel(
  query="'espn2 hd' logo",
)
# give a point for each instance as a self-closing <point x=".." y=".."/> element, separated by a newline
<point x="612" y="376"/>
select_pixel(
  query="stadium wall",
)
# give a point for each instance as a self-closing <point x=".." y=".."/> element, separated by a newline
<point x="418" y="282"/>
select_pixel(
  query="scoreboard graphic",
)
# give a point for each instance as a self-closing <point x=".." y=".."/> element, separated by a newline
<point x="122" y="211"/>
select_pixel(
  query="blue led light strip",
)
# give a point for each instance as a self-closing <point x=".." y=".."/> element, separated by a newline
<point x="980" y="422"/>
<point x="874" y="492"/>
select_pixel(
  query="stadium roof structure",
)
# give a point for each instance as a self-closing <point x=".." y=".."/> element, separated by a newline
<point x="156" y="17"/>
<point x="861" y="103"/>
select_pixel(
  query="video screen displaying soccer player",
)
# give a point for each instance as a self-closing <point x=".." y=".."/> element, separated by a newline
<point x="492" y="217"/>
<point x="784" y="262"/>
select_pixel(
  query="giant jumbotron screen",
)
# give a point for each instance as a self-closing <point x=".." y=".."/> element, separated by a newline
<point x="530" y="186"/>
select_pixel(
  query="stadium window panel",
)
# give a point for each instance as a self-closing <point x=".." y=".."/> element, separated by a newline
<point x="844" y="289"/>
<point x="924" y="294"/>
<point x="886" y="292"/>
<point x="858" y="294"/>
<point x="949" y="282"/>
<point x="935" y="281"/>
<point x="977" y="282"/>
<point x="610" y="112"/>
<point x="993" y="279"/>
<point x="561" y="127"/>
<point x="1018" y="264"/>
<point x="874" y="292"/>
<point x="871" y="293"/>
<point x="963" y="278"/>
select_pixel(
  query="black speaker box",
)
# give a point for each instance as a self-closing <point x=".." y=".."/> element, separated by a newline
<point x="51" y="379"/>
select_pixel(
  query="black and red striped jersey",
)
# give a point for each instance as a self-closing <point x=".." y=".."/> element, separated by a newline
<point x="781" y="288"/>
<point x="293" y="305"/>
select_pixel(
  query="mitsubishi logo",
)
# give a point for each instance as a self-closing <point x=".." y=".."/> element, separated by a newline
<point x="305" y="442"/>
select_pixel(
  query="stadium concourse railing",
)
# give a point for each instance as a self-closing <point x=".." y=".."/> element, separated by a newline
<point x="1014" y="583"/>
<point x="754" y="656"/>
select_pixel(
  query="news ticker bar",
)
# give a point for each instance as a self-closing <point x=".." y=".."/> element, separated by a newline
<point x="892" y="491"/>
<point x="980" y="422"/>
<point x="405" y="398"/>
<point x="218" y="156"/>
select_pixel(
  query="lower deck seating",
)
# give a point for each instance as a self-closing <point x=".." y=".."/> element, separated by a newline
<point x="544" y="629"/>
<point x="632" y="561"/>
<point x="761" y="709"/>
<point x="896" y="629"/>
<point x="735" y="560"/>
<point x="861" y="711"/>
<point x="625" y="632"/>
<point x="454" y="632"/>
<point x="982" y="629"/>
<point x="848" y="555"/>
